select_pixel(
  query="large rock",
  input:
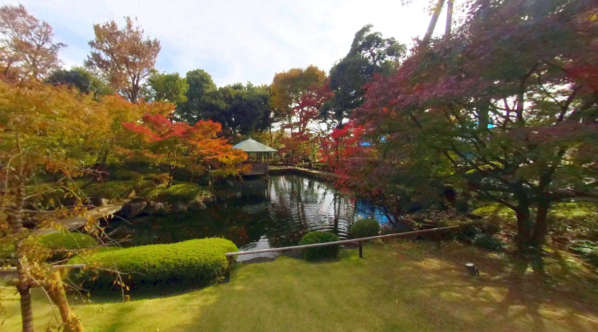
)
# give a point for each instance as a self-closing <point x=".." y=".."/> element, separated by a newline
<point x="133" y="209"/>
<point x="157" y="208"/>
<point x="180" y="207"/>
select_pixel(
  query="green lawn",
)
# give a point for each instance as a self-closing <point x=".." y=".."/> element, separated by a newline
<point x="398" y="286"/>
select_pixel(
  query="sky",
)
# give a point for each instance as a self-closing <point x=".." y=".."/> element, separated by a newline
<point x="236" y="41"/>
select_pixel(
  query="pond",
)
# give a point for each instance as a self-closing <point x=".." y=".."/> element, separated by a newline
<point x="259" y="213"/>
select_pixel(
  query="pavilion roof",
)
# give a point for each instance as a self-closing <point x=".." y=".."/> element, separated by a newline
<point x="251" y="145"/>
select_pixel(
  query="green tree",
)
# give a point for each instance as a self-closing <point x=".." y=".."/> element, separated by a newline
<point x="241" y="109"/>
<point x="370" y="54"/>
<point x="200" y="85"/>
<point x="81" y="79"/>
<point x="167" y="87"/>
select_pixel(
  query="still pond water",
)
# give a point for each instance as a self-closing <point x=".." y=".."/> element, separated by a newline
<point x="262" y="213"/>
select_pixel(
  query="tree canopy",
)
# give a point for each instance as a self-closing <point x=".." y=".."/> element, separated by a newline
<point x="369" y="54"/>
<point x="200" y="85"/>
<point x="167" y="87"/>
<point x="123" y="56"/>
<point x="27" y="48"/>
<point x="288" y="87"/>
<point x="241" y="109"/>
<point x="81" y="79"/>
<point x="499" y="110"/>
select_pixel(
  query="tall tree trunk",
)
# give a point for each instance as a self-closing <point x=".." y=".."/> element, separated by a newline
<point x="26" y="309"/>
<point x="541" y="226"/>
<point x="55" y="289"/>
<point x="524" y="226"/>
<point x="15" y="220"/>
<point x="433" y="21"/>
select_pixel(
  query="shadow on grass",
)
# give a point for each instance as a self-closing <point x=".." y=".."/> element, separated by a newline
<point x="523" y="290"/>
<point x="144" y="292"/>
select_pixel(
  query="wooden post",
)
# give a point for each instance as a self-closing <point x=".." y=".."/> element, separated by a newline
<point x="472" y="269"/>
<point x="360" y="250"/>
<point x="231" y="262"/>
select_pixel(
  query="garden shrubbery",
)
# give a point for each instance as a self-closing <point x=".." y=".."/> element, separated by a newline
<point x="117" y="188"/>
<point x="193" y="262"/>
<point x="488" y="242"/>
<point x="365" y="227"/>
<point x="182" y="192"/>
<point x="481" y="234"/>
<point x="319" y="252"/>
<point x="67" y="240"/>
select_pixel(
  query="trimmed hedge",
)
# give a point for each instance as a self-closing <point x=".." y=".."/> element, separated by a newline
<point x="193" y="262"/>
<point x="365" y="227"/>
<point x="319" y="252"/>
<point x="67" y="240"/>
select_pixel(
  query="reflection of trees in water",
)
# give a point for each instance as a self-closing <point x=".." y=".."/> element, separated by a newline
<point x="295" y="206"/>
<point x="310" y="205"/>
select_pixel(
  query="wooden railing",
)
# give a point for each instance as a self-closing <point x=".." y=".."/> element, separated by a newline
<point x="359" y="241"/>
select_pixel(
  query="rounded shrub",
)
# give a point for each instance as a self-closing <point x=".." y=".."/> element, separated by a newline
<point x="488" y="242"/>
<point x="319" y="252"/>
<point x="365" y="227"/>
<point x="192" y="262"/>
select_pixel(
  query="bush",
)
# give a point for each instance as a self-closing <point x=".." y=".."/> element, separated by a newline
<point x="495" y="211"/>
<point x="182" y="192"/>
<point x="117" y="189"/>
<point x="365" y="227"/>
<point x="123" y="174"/>
<point x="67" y="240"/>
<point x="192" y="262"/>
<point x="319" y="252"/>
<point x="488" y="242"/>
<point x="469" y="232"/>
<point x="7" y="253"/>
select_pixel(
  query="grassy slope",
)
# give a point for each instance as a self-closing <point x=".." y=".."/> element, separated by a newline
<point x="399" y="286"/>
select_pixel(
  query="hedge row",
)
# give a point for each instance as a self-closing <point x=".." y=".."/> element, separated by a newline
<point x="197" y="262"/>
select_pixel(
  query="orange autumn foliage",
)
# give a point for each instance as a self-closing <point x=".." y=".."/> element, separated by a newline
<point x="180" y="145"/>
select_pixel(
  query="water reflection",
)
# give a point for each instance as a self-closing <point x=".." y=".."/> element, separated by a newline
<point x="258" y="213"/>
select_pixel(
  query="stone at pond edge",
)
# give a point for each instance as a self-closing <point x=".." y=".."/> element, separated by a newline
<point x="157" y="208"/>
<point x="133" y="209"/>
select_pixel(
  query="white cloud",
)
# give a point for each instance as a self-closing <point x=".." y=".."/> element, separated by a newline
<point x="236" y="41"/>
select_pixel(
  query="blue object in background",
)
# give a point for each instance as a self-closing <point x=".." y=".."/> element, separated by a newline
<point x="364" y="209"/>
